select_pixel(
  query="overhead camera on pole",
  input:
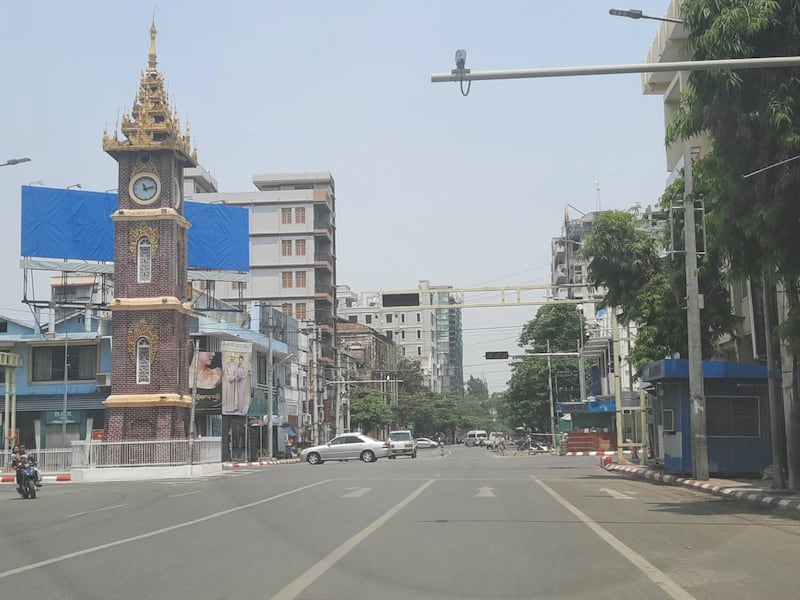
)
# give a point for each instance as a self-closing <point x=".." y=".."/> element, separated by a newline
<point x="460" y="71"/>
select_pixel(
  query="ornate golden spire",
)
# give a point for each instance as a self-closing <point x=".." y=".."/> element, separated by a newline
<point x="152" y="124"/>
<point x="151" y="56"/>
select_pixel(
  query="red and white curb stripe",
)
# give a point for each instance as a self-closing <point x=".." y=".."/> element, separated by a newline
<point x="261" y="463"/>
<point x="596" y="453"/>
<point x="780" y="502"/>
<point x="45" y="478"/>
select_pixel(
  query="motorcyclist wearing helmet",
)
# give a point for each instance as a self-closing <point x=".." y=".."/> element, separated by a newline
<point x="23" y="459"/>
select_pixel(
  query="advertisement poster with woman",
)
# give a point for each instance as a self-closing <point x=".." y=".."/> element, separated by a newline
<point x="208" y="370"/>
<point x="236" y="377"/>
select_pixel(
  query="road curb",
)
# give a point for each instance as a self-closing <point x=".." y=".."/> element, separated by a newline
<point x="261" y="463"/>
<point x="596" y="453"/>
<point x="61" y="478"/>
<point x="789" y="505"/>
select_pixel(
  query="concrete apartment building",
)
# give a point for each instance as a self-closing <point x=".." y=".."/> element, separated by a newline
<point x="431" y="336"/>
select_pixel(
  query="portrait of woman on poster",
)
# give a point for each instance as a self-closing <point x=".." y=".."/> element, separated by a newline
<point x="208" y="377"/>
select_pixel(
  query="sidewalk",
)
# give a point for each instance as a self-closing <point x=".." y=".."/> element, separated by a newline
<point x="755" y="492"/>
<point x="261" y="463"/>
<point x="46" y="477"/>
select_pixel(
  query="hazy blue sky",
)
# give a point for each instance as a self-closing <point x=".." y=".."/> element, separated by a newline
<point x="430" y="185"/>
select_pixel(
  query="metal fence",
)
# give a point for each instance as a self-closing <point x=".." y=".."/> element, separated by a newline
<point x="146" y="453"/>
<point x="49" y="460"/>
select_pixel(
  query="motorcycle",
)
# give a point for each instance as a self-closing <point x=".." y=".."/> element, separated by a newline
<point x="27" y="481"/>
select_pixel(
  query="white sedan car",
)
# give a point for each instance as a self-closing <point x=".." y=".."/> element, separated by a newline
<point x="427" y="443"/>
<point x="348" y="446"/>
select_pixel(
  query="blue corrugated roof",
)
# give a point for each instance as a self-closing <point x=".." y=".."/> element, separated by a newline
<point x="678" y="368"/>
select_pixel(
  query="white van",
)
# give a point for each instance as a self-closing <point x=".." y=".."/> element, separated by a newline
<point x="474" y="437"/>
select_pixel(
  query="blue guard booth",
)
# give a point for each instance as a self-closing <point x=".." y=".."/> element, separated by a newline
<point x="737" y="416"/>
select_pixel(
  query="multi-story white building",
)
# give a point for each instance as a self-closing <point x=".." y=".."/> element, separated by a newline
<point x="292" y="262"/>
<point x="429" y="335"/>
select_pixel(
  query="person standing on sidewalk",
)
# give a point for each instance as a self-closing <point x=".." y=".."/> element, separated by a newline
<point x="287" y="447"/>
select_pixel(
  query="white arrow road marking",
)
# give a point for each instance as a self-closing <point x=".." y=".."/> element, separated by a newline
<point x="485" y="492"/>
<point x="356" y="493"/>
<point x="617" y="495"/>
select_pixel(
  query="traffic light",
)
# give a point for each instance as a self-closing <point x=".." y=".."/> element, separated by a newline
<point x="496" y="355"/>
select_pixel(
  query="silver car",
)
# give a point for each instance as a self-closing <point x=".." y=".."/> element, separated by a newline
<point x="348" y="446"/>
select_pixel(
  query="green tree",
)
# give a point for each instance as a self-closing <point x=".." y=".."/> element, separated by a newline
<point x="752" y="119"/>
<point x="410" y="372"/>
<point x="369" y="411"/>
<point x="477" y="388"/>
<point x="527" y="399"/>
<point x="649" y="289"/>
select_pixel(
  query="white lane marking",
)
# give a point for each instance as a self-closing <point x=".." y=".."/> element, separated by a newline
<point x="295" y="588"/>
<point x="356" y="493"/>
<point x="110" y="507"/>
<point x="185" y="494"/>
<point x="485" y="492"/>
<point x="617" y="495"/>
<point x="97" y="510"/>
<point x="672" y="589"/>
<point x="149" y="534"/>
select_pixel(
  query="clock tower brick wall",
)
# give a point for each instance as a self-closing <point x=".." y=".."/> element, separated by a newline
<point x="155" y="311"/>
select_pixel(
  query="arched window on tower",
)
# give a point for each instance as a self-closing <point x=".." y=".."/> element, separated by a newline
<point x="142" y="360"/>
<point x="144" y="262"/>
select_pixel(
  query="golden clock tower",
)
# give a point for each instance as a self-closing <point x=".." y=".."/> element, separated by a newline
<point x="149" y="385"/>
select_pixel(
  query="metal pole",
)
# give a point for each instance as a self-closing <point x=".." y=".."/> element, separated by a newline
<point x="581" y="365"/>
<point x="269" y="383"/>
<point x="194" y="400"/>
<point x="667" y="67"/>
<point x="7" y="415"/>
<point x="550" y="391"/>
<point x="777" y="423"/>
<point x="66" y="380"/>
<point x="615" y="361"/>
<point x="697" y="398"/>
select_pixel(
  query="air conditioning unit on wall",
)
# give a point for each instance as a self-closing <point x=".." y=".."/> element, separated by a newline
<point x="103" y="380"/>
<point x="306" y="419"/>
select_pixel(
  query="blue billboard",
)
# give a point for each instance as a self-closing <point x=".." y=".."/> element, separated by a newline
<point x="77" y="225"/>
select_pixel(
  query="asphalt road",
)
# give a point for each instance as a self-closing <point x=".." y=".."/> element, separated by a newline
<point x="467" y="525"/>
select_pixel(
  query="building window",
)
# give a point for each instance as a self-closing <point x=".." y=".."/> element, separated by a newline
<point x="48" y="363"/>
<point x="388" y="318"/>
<point x="143" y="360"/>
<point x="402" y="317"/>
<point x="419" y="334"/>
<point x="403" y="334"/>
<point x="353" y="318"/>
<point x="300" y="279"/>
<point x="732" y="416"/>
<point x="668" y="420"/>
<point x="286" y="216"/>
<point x="299" y="215"/>
<point x="419" y="350"/>
<point x="286" y="279"/>
<point x="238" y="286"/>
<point x="419" y="317"/>
<point x="300" y="247"/>
<point x="389" y="335"/>
<point x="286" y="247"/>
<point x="286" y="308"/>
<point x="403" y="350"/>
<point x="368" y="319"/>
<point x="144" y="260"/>
<point x="300" y="311"/>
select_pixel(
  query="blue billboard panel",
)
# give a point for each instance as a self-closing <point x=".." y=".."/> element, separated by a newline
<point x="77" y="225"/>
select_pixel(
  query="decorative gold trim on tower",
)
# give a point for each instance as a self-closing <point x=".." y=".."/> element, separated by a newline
<point x="142" y="330"/>
<point x="152" y="123"/>
<point x="151" y="233"/>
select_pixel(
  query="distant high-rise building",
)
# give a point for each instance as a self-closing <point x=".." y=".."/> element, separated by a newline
<point x="422" y="331"/>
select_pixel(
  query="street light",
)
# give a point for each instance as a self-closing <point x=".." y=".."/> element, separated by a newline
<point x="633" y="13"/>
<point x="15" y="161"/>
<point x="74" y="185"/>
<point x="270" y="372"/>
<point x="693" y="323"/>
